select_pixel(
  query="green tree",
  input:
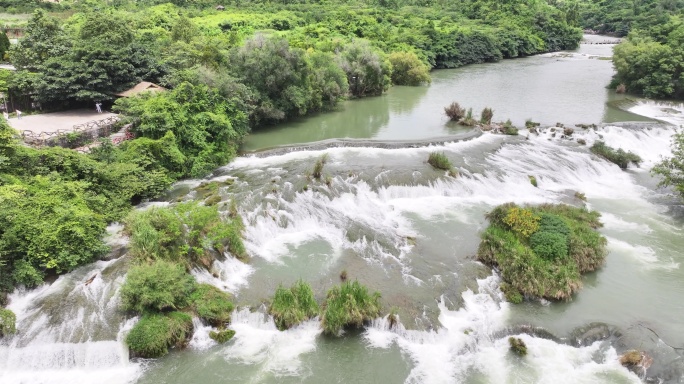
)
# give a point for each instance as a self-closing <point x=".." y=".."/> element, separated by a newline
<point x="43" y="39"/>
<point x="368" y="71"/>
<point x="407" y="69"/>
<point x="672" y="169"/>
<point x="4" y="46"/>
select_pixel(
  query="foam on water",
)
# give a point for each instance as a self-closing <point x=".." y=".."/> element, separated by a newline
<point x="258" y="341"/>
<point x="230" y="274"/>
<point x="467" y="346"/>
<point x="200" y="338"/>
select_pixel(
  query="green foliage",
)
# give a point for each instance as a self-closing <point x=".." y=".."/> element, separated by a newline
<point x="222" y="336"/>
<point x="369" y="72"/>
<point x="618" y="17"/>
<point x="511" y="294"/>
<point x="294" y="305"/>
<point x="439" y="161"/>
<point x="318" y="167"/>
<point x="533" y="180"/>
<point x="650" y="62"/>
<point x="155" y="333"/>
<point x="671" y="169"/>
<point x="349" y="304"/>
<point x="7" y="322"/>
<point x="517" y="346"/>
<point x="550" y="264"/>
<point x="509" y="128"/>
<point x="408" y="69"/>
<point x="207" y="128"/>
<point x="186" y="233"/>
<point x="619" y="157"/>
<point x="4" y="46"/>
<point x="486" y="116"/>
<point x="522" y="221"/>
<point x="156" y="287"/>
<point x="549" y="245"/>
<point x="212" y="305"/>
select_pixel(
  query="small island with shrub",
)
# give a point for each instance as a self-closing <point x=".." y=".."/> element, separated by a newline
<point x="542" y="251"/>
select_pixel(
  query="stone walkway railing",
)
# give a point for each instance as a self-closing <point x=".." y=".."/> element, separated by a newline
<point x="78" y="136"/>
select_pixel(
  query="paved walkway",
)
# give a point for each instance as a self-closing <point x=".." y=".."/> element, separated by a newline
<point x="52" y="122"/>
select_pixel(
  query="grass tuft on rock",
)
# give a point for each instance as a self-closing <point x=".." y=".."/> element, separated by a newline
<point x="541" y="251"/>
<point x="160" y="286"/>
<point x="517" y="346"/>
<point x="349" y="305"/>
<point x="317" y="172"/>
<point x="212" y="305"/>
<point x="615" y="156"/>
<point x="154" y="334"/>
<point x="440" y="161"/>
<point x="8" y="322"/>
<point x="631" y="358"/>
<point x="294" y="305"/>
<point x="222" y="336"/>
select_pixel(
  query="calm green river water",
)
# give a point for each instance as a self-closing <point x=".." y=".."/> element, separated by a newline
<point x="402" y="228"/>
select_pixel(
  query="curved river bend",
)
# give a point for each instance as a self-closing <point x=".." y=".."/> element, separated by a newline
<point x="400" y="227"/>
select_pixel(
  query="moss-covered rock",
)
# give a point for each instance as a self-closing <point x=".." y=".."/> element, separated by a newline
<point x="222" y="336"/>
<point x="350" y="304"/>
<point x="542" y="251"/>
<point x="7" y="322"/>
<point x="154" y="334"/>
<point x="212" y="305"/>
<point x="294" y="305"/>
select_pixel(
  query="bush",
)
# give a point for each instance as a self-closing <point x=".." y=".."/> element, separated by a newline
<point x="159" y="286"/>
<point x="549" y="222"/>
<point x="155" y="333"/>
<point x="619" y="157"/>
<point x="369" y="73"/>
<point x="439" y="161"/>
<point x="549" y="245"/>
<point x="7" y="322"/>
<point x="486" y="116"/>
<point x="292" y="306"/>
<point x="522" y="221"/>
<point x="407" y="69"/>
<point x="349" y="305"/>
<point x="509" y="129"/>
<point x="672" y="169"/>
<point x="212" y="305"/>
<point x="517" y="346"/>
<point x="222" y="336"/>
<point x="454" y="111"/>
<point x="317" y="172"/>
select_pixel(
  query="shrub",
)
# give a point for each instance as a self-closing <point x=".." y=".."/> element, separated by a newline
<point x="486" y="116"/>
<point x="439" y="161"/>
<point x="317" y="172"/>
<point x="672" y="169"/>
<point x="549" y="245"/>
<point x="511" y="294"/>
<point x="407" y="69"/>
<point x="369" y="73"/>
<point x="509" y="129"/>
<point x="550" y="222"/>
<point x="522" y="221"/>
<point x="222" y="336"/>
<point x="155" y="333"/>
<point x="349" y="305"/>
<point x="294" y="305"/>
<point x="7" y="322"/>
<point x="531" y="124"/>
<point x="619" y="156"/>
<point x="159" y="286"/>
<point x="212" y="305"/>
<point x="468" y="120"/>
<point x="517" y="346"/>
<point x="454" y="111"/>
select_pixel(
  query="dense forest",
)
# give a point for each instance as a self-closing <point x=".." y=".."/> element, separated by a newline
<point x="228" y="71"/>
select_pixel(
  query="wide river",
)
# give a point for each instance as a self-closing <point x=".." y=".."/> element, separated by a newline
<point x="410" y="232"/>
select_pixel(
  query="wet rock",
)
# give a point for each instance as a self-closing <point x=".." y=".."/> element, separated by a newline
<point x="591" y="333"/>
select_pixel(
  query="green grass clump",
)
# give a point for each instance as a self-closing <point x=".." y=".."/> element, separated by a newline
<point x="533" y="180"/>
<point x="7" y="322"/>
<point x="154" y="334"/>
<point x="212" y="200"/>
<point x="317" y="172"/>
<point x="212" y="305"/>
<point x="517" y="346"/>
<point x="439" y="161"/>
<point x="294" y="305"/>
<point x="619" y="156"/>
<point x="222" y="336"/>
<point x="546" y="261"/>
<point x="159" y="286"/>
<point x="349" y="304"/>
<point x="486" y="116"/>
<point x="186" y="233"/>
<point x="509" y="128"/>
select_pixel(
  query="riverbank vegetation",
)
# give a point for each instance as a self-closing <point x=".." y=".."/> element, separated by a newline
<point x="542" y="251"/>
